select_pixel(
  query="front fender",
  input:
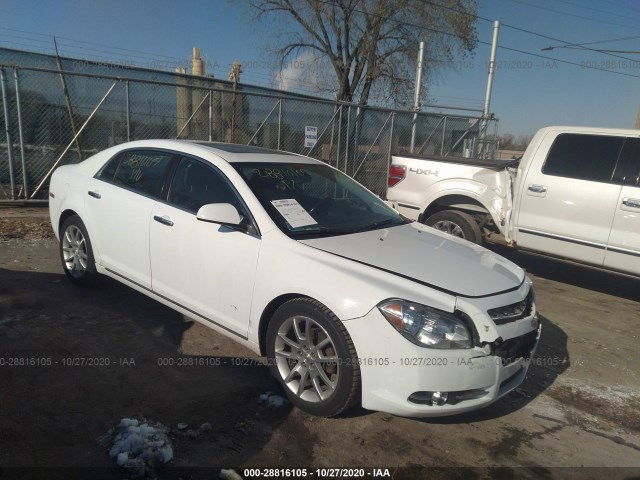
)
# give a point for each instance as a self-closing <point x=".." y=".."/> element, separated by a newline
<point x="349" y="289"/>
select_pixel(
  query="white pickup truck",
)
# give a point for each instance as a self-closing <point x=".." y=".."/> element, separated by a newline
<point x="574" y="194"/>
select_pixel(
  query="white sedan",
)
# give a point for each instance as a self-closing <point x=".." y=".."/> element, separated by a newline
<point x="348" y="300"/>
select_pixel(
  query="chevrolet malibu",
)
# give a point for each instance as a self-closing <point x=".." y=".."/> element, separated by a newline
<point x="348" y="300"/>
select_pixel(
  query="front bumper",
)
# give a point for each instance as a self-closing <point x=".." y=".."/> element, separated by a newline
<point x="394" y="369"/>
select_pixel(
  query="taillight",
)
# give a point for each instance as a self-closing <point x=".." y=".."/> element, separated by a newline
<point x="396" y="174"/>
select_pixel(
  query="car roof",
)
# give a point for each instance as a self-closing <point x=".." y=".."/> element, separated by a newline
<point x="237" y="153"/>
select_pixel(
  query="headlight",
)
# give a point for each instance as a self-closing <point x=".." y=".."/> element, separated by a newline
<point x="426" y="326"/>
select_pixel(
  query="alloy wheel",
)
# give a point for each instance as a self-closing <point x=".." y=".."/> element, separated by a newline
<point x="449" y="227"/>
<point x="306" y="359"/>
<point x="74" y="251"/>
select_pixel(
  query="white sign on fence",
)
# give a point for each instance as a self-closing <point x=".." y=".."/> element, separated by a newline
<point x="310" y="136"/>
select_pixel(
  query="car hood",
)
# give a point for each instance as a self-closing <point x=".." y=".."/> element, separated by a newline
<point x="427" y="256"/>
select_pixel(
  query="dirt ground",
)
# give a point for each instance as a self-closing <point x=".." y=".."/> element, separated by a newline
<point x="576" y="415"/>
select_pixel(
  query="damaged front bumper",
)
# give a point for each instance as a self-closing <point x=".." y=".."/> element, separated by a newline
<point x="405" y="379"/>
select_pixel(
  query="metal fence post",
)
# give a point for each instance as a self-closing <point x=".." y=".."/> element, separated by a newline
<point x="356" y="141"/>
<point x="25" y="192"/>
<point x="5" y="107"/>
<point x="279" y="121"/>
<point x="339" y="138"/>
<point x="444" y="131"/>
<point x="393" y="117"/>
<point x="347" y="136"/>
<point x="210" y="116"/>
<point x="128" y="106"/>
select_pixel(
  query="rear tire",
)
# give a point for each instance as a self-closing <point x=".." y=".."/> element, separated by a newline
<point x="76" y="253"/>
<point x="313" y="357"/>
<point x="456" y="223"/>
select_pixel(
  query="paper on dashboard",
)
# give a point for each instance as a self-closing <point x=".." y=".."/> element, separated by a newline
<point x="293" y="212"/>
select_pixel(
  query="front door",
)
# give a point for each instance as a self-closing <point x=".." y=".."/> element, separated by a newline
<point x="568" y="201"/>
<point x="207" y="268"/>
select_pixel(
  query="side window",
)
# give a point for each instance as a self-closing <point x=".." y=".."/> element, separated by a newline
<point x="585" y="157"/>
<point x="139" y="170"/>
<point x="628" y="168"/>
<point x="194" y="185"/>
<point x="109" y="170"/>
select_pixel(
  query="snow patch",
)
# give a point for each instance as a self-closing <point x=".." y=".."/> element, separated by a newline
<point x="138" y="445"/>
<point x="229" y="474"/>
<point x="183" y="430"/>
<point x="272" y="400"/>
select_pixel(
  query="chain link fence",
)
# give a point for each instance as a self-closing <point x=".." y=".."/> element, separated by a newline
<point x="60" y="115"/>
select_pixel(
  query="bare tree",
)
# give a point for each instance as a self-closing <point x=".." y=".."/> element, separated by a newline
<point x="372" y="44"/>
<point x="509" y="141"/>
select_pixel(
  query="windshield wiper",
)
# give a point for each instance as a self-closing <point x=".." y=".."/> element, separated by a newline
<point x="322" y="230"/>
<point x="374" y="225"/>
<point x="325" y="231"/>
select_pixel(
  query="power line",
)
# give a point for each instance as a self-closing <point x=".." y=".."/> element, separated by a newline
<point x="620" y="6"/>
<point x="633" y="37"/>
<point x="87" y="42"/>
<point x="626" y="17"/>
<point x="565" y="42"/>
<point x="566" y="61"/>
<point x="574" y="15"/>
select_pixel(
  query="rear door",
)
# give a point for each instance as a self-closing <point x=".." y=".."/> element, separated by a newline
<point x="568" y="200"/>
<point x="120" y="200"/>
<point x="623" y="249"/>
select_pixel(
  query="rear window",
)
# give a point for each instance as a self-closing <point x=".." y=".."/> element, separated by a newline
<point x="585" y="157"/>
<point x="142" y="171"/>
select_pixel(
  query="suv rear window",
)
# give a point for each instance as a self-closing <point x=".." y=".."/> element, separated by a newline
<point x="585" y="157"/>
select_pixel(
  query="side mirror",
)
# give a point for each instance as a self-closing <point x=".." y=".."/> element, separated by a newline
<point x="222" y="213"/>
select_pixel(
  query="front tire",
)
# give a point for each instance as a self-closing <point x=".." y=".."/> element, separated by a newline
<point x="76" y="253"/>
<point x="311" y="354"/>
<point x="456" y="223"/>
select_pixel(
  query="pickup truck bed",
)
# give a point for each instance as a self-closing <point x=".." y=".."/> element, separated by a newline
<point x="492" y="164"/>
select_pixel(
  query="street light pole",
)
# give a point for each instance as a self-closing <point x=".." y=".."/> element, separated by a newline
<point x="492" y="69"/>
<point x="416" y="98"/>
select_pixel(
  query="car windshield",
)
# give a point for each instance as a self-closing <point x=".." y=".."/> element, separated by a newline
<point x="311" y="200"/>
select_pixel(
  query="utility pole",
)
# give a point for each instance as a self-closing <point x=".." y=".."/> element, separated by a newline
<point x="492" y="69"/>
<point x="416" y="98"/>
<point x="234" y="76"/>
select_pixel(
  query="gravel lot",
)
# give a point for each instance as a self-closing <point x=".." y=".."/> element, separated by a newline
<point x="579" y="407"/>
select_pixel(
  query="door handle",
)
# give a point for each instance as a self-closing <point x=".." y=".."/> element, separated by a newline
<point x="163" y="220"/>
<point x="631" y="202"/>
<point x="537" y="188"/>
<point x="94" y="194"/>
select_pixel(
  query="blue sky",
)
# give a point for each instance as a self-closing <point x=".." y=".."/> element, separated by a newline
<point x="529" y="92"/>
